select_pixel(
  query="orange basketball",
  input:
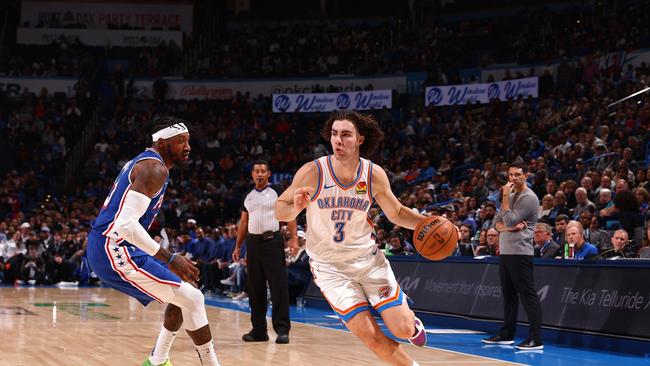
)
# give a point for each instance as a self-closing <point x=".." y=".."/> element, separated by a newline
<point x="435" y="238"/>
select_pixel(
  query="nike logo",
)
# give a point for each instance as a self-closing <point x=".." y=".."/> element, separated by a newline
<point x="328" y="187"/>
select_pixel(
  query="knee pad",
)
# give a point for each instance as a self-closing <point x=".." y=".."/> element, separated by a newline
<point x="192" y="305"/>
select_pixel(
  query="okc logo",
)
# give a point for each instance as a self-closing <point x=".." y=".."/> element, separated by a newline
<point x="384" y="292"/>
<point x="434" y="96"/>
<point x="493" y="91"/>
<point x="343" y="101"/>
<point x="282" y="102"/>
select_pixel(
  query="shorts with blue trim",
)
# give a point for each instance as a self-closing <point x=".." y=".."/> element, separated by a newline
<point x="355" y="286"/>
<point x="130" y="270"/>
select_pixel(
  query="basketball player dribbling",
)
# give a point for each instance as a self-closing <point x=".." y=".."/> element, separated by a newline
<point x="337" y="191"/>
<point x="125" y="257"/>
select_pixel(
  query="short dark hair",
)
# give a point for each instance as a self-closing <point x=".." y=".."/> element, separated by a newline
<point x="260" y="162"/>
<point x="490" y="204"/>
<point x="366" y="125"/>
<point x="519" y="165"/>
<point x="159" y="123"/>
<point x="562" y="217"/>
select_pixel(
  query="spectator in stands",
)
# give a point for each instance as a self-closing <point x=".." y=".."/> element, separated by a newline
<point x="560" y="208"/>
<point x="624" y="214"/>
<point x="643" y="197"/>
<point x="58" y="267"/>
<point x="548" y="203"/>
<point x="32" y="266"/>
<point x="395" y="244"/>
<point x="582" y="249"/>
<point x="644" y="252"/>
<point x="492" y="241"/>
<point x="600" y="238"/>
<point x="487" y="215"/>
<point x="583" y="202"/>
<point x="545" y="247"/>
<point x="620" y="246"/>
<point x="13" y="253"/>
<point x="298" y="272"/>
<point x="604" y="200"/>
<point x="560" y="227"/>
<point x="465" y="244"/>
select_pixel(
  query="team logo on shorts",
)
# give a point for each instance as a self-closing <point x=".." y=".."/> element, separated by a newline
<point x="384" y="292"/>
<point x="362" y="188"/>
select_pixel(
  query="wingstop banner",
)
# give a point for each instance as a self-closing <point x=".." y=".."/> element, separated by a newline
<point x="481" y="93"/>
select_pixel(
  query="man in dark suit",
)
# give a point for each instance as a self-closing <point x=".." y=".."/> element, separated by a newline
<point x="545" y="247"/>
<point x="600" y="238"/>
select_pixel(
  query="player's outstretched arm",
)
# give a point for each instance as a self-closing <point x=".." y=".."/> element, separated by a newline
<point x="147" y="178"/>
<point x="295" y="198"/>
<point x="394" y="210"/>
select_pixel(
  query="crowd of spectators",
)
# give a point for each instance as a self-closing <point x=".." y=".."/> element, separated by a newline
<point x="589" y="163"/>
<point x="438" y="45"/>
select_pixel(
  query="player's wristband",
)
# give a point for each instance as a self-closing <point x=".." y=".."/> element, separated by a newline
<point x="171" y="259"/>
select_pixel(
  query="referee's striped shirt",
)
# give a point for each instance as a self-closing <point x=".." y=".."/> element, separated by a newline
<point x="260" y="205"/>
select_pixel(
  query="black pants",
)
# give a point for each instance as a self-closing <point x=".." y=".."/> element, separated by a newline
<point x="517" y="282"/>
<point x="265" y="262"/>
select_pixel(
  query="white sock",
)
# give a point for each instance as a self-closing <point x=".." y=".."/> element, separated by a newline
<point x="160" y="353"/>
<point x="207" y="354"/>
<point x="415" y="363"/>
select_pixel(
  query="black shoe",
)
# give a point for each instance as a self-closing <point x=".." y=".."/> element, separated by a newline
<point x="497" y="339"/>
<point x="530" y="345"/>
<point x="282" y="339"/>
<point x="250" y="337"/>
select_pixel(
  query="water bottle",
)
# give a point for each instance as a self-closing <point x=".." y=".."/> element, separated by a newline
<point x="566" y="250"/>
<point x="300" y="302"/>
<point x="572" y="251"/>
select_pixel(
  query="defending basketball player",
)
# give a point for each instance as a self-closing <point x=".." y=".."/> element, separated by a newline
<point x="337" y="191"/>
<point x="122" y="253"/>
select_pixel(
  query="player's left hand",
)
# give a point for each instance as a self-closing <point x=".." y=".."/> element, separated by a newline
<point x="185" y="269"/>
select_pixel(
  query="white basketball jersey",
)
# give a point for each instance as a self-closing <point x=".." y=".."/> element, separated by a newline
<point x="338" y="227"/>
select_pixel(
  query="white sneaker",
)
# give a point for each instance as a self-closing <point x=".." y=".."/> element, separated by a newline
<point x="228" y="282"/>
<point x="241" y="297"/>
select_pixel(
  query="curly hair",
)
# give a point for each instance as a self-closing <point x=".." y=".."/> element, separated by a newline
<point x="366" y="126"/>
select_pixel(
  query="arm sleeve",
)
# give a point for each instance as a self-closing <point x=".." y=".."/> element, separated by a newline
<point x="526" y="206"/>
<point x="127" y="225"/>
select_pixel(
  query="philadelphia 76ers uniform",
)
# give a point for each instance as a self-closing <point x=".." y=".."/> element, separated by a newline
<point x="119" y="263"/>
<point x="345" y="262"/>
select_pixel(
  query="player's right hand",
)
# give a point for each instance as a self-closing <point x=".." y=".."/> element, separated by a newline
<point x="185" y="269"/>
<point x="301" y="197"/>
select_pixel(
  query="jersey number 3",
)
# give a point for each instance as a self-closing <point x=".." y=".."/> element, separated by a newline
<point x="339" y="234"/>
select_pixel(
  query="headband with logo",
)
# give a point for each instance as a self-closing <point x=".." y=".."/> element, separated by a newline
<point x="169" y="132"/>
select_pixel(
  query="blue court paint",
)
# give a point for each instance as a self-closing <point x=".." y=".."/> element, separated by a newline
<point x="553" y="354"/>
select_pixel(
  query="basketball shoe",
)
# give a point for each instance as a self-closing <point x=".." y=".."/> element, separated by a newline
<point x="420" y="337"/>
<point x="148" y="363"/>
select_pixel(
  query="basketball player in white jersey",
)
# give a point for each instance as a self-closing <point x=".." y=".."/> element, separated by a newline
<point x="337" y="191"/>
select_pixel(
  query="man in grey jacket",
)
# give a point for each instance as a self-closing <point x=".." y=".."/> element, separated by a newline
<point x="515" y="223"/>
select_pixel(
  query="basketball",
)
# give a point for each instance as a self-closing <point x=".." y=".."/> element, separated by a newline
<point x="435" y="238"/>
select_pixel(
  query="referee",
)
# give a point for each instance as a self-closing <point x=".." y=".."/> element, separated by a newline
<point x="515" y="223"/>
<point x="265" y="260"/>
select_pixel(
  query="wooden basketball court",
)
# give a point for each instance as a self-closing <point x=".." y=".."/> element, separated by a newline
<point x="97" y="326"/>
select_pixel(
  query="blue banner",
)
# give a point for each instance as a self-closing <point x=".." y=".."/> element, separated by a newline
<point x="481" y="93"/>
<point x="327" y="102"/>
